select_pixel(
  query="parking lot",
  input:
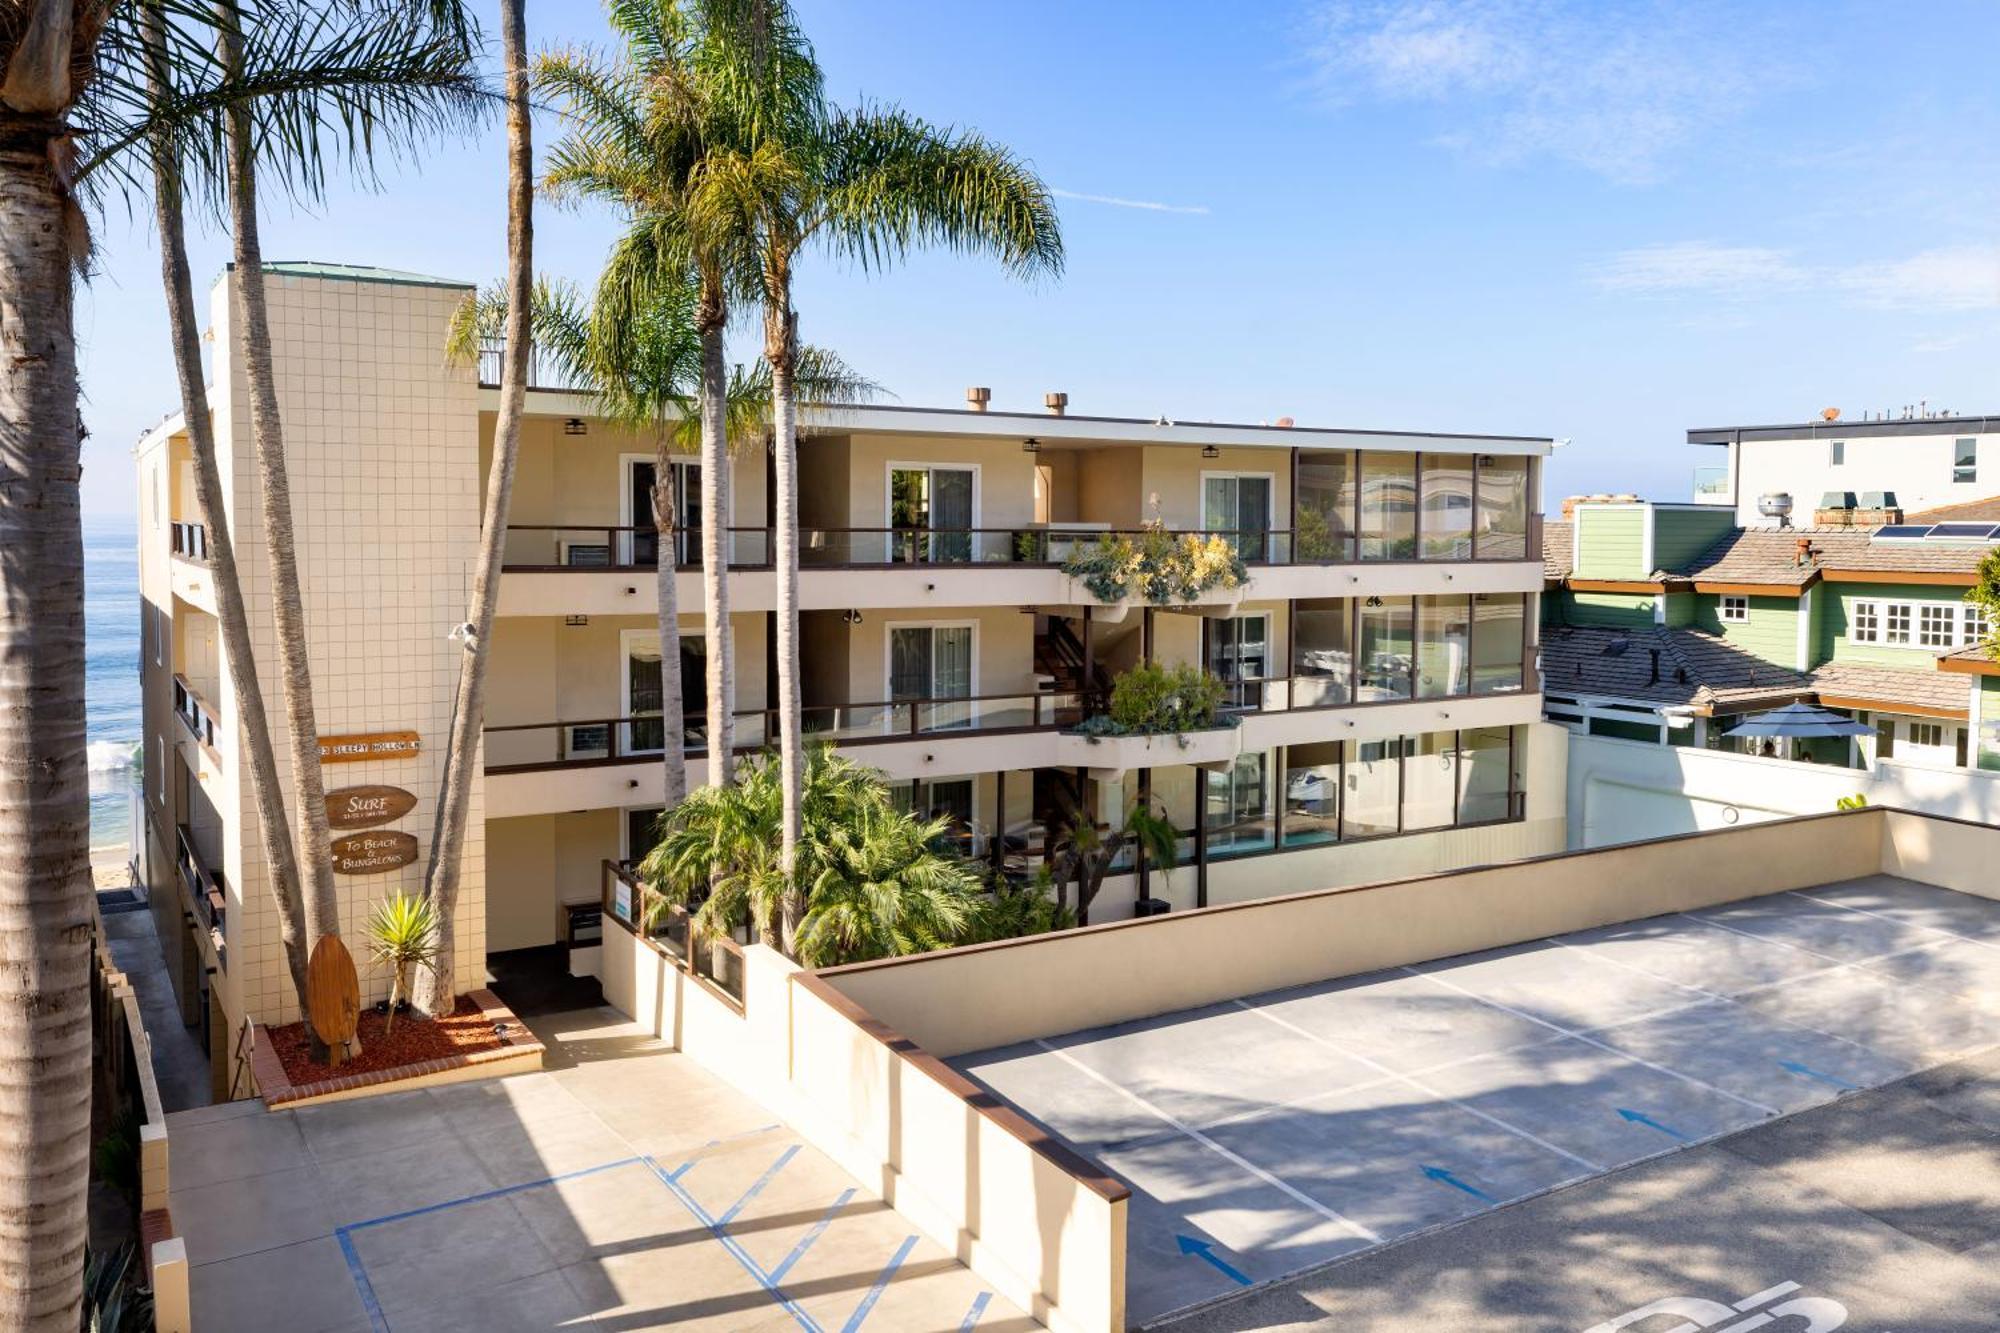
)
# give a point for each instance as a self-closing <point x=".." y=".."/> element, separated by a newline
<point x="1283" y="1131"/>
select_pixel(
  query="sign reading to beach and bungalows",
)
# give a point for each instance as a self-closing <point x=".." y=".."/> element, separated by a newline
<point x="365" y="807"/>
<point x="373" y="853"/>
<point x="375" y="745"/>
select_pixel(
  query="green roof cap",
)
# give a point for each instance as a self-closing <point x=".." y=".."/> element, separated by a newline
<point x="357" y="273"/>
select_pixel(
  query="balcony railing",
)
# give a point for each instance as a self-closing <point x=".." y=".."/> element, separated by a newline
<point x="543" y="370"/>
<point x="190" y="541"/>
<point x="204" y="889"/>
<point x="1711" y="485"/>
<point x="583" y="547"/>
<point x="534" y="746"/>
<point x="714" y="960"/>
<point x="195" y="713"/>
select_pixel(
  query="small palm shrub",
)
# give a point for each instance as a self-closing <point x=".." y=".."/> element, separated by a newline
<point x="1156" y="567"/>
<point x="403" y="934"/>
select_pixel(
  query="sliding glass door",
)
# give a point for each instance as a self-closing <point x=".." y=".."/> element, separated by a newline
<point x="1239" y="655"/>
<point x="1238" y="507"/>
<point x="931" y="511"/>
<point x="641" y="546"/>
<point x="933" y="663"/>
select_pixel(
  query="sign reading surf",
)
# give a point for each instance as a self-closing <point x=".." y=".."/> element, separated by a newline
<point x="365" y="807"/>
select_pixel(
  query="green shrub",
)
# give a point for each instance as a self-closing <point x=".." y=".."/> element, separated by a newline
<point x="1157" y="567"/>
<point x="1151" y="699"/>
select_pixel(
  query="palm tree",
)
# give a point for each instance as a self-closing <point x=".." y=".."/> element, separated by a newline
<point x="870" y="184"/>
<point x="881" y="884"/>
<point x="1087" y="851"/>
<point x="647" y="130"/>
<point x="437" y="986"/>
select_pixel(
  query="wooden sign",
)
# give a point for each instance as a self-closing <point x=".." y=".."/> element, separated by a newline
<point x="374" y="745"/>
<point x="365" y="807"/>
<point x="333" y="995"/>
<point x="373" y="853"/>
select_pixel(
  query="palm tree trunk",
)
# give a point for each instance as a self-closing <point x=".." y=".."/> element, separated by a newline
<point x="45" y="925"/>
<point x="781" y="350"/>
<point x="709" y="320"/>
<point x="322" y="907"/>
<point x="673" y="717"/>
<point x="281" y="867"/>
<point x="437" y="986"/>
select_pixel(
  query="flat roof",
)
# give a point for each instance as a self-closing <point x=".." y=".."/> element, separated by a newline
<point x="1807" y="430"/>
<point x="312" y="268"/>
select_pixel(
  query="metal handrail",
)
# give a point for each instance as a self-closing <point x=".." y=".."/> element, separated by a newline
<point x="195" y="712"/>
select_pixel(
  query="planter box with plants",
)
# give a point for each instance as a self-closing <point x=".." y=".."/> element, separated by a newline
<point x="1158" y="715"/>
<point x="1159" y="568"/>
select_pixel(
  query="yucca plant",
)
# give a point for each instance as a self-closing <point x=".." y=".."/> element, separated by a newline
<point x="403" y="933"/>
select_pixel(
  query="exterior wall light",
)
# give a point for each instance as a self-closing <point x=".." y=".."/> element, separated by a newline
<point x="1031" y="445"/>
<point x="1210" y="451"/>
<point x="576" y="426"/>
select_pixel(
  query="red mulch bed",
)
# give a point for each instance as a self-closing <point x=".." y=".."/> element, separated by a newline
<point x="415" y="1040"/>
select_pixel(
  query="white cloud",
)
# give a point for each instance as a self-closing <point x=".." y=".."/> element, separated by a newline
<point x="1114" y="201"/>
<point x="1732" y="272"/>
<point x="1945" y="279"/>
<point x="1614" y="86"/>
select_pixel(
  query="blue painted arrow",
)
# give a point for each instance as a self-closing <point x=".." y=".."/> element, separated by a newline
<point x="1802" y="1071"/>
<point x="1444" y="1177"/>
<point x="1203" y="1250"/>
<point x="1641" y="1118"/>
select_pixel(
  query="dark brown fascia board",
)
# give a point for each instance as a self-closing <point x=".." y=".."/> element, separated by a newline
<point x="1890" y="706"/>
<point x="1753" y="589"/>
<point x="1615" y="585"/>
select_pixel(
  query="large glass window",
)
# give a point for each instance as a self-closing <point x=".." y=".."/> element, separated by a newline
<point x="1483" y="766"/>
<point x="1326" y="500"/>
<point x="1502" y="522"/>
<point x="931" y="511"/>
<point x="1387" y="634"/>
<point x="1497" y="629"/>
<point x="1388" y="506"/>
<point x="1312" y="793"/>
<point x="1322" y="652"/>
<point x="1447" y="507"/>
<point x="932" y="662"/>
<point x="1444" y="654"/>
<point x="1372" y="788"/>
<point x="1965" y="460"/>
<point x="1430" y="780"/>
<point x="1239" y="810"/>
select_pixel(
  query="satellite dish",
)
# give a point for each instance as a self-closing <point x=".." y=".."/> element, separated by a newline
<point x="1829" y="414"/>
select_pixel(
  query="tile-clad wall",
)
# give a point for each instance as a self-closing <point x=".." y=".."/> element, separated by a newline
<point x="382" y="447"/>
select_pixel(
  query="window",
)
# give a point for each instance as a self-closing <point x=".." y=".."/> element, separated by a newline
<point x="1935" y="626"/>
<point x="160" y="744"/>
<point x="1927" y="733"/>
<point x="932" y="662"/>
<point x="1865" y="625"/>
<point x="1735" y="610"/>
<point x="933" y="511"/>
<point x="1237" y="507"/>
<point x="1897" y="620"/>
<point x="1387" y="638"/>
<point x="1388" y="506"/>
<point x="1501" y="525"/>
<point x="1965" y="460"/>
<point x="1973" y="626"/>
<point x="1322" y="651"/>
<point x="1443" y="646"/>
<point x="1836" y="453"/>
<point x="159" y="636"/>
<point x="1239" y="654"/>
<point x="1326" y="485"/>
<point x="1497" y="638"/>
<point x="1446" y="522"/>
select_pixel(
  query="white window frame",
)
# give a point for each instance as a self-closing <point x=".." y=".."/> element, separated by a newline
<point x="1972" y="625"/>
<point x="621" y="549"/>
<point x="1910" y="736"/>
<point x="1871" y="620"/>
<point x="1735" y="609"/>
<point x="1937" y="625"/>
<point x="889" y="649"/>
<point x="1864" y="620"/>
<point x="1836" y="453"/>
<point x="1964" y="473"/>
<point x="895" y="465"/>
<point x="1898" y="624"/>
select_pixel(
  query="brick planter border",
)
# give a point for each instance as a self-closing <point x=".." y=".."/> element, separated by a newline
<point x="519" y="1049"/>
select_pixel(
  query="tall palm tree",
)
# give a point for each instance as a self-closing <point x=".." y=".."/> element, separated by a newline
<point x="869" y="184"/>
<point x="646" y="131"/>
<point x="437" y="987"/>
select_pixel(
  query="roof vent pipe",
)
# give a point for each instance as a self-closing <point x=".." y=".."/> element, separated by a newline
<point x="977" y="397"/>
<point x="1057" y="403"/>
<point x="1654" y="679"/>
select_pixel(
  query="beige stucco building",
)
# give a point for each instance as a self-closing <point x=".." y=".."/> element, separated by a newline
<point x="1381" y="656"/>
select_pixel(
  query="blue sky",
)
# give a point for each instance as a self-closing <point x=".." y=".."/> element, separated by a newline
<point x="1606" y="222"/>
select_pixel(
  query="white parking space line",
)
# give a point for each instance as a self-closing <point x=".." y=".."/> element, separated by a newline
<point x="1894" y="920"/>
<point x="1236" y="1159"/>
<point x="1428" y="1090"/>
<point x="1766" y="939"/>
<point x="1635" y="968"/>
<point x="1602" y="1046"/>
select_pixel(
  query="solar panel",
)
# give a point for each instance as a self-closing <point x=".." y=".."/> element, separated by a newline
<point x="1964" y="531"/>
<point x="1902" y="532"/>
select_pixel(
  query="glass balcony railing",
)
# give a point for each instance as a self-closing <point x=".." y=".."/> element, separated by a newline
<point x="1711" y="485"/>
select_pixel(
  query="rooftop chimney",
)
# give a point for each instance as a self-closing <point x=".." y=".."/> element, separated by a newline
<point x="977" y="397"/>
<point x="1057" y="403"/>
<point x="1805" y="552"/>
<point x="1284" y="423"/>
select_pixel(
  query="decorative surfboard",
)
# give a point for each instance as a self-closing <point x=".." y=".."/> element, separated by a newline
<point x="333" y="996"/>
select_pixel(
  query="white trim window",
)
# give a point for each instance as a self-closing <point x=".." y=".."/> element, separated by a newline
<point x="1735" y="609"/>
<point x="929" y="665"/>
<point x="1864" y="624"/>
<point x="1936" y="625"/>
<point x="1836" y="453"/>
<point x="1972" y="625"/>
<point x="1964" y="460"/>
<point x="1896" y="623"/>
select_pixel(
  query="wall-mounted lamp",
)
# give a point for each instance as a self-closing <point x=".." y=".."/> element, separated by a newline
<point x="851" y="617"/>
<point x="1210" y="451"/>
<point x="1485" y="460"/>
<point x="1031" y="445"/>
<point x="575" y="621"/>
<point x="1374" y="603"/>
<point x="576" y="426"/>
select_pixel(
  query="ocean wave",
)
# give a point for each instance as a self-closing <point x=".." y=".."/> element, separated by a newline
<point x="112" y="756"/>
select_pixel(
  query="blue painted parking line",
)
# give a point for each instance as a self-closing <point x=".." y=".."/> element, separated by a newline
<point x="729" y="1243"/>
<point x="376" y="1320"/>
<point x="770" y="1173"/>
<point x="805" y="1243"/>
<point x="881" y="1283"/>
<point x="971" y="1320"/>
<point x="703" y="1151"/>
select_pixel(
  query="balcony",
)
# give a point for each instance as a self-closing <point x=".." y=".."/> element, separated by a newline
<point x="196" y="714"/>
<point x="189" y="541"/>
<point x="1712" y="486"/>
<point x="203" y="888"/>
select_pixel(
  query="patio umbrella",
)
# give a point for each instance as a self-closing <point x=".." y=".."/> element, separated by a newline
<point x="1800" y="722"/>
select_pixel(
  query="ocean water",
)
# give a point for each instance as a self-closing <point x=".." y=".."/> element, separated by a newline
<point x="111" y="677"/>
